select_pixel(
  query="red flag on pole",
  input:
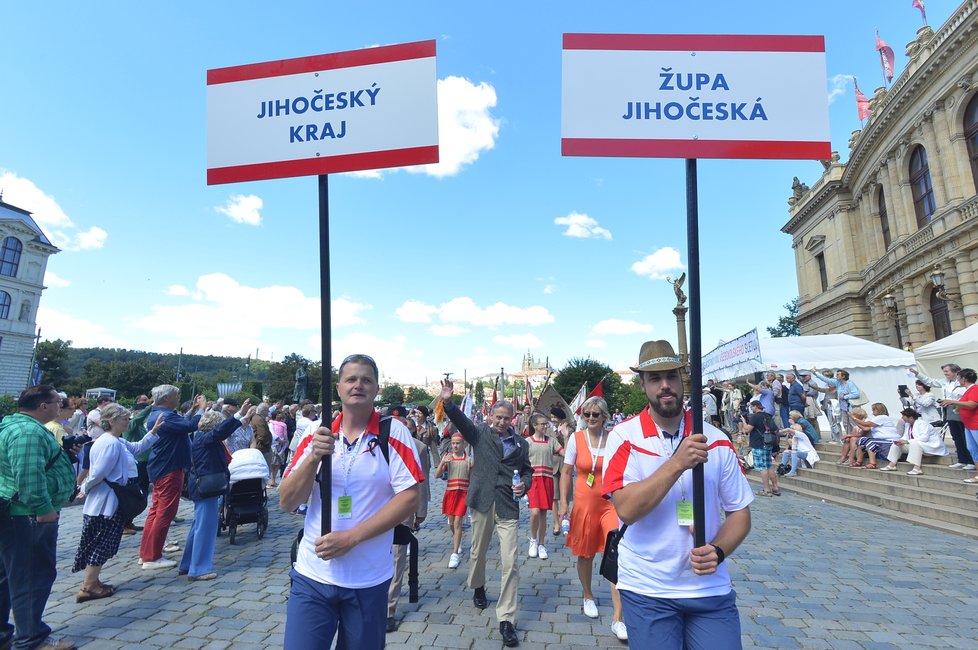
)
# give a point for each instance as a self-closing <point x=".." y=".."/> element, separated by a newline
<point x="919" y="4"/>
<point x="597" y="392"/>
<point x="887" y="58"/>
<point x="862" y="104"/>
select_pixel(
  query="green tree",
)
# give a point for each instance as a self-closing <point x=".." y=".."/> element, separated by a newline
<point x="418" y="396"/>
<point x="52" y="358"/>
<point x="787" y="325"/>
<point x="580" y="371"/>
<point x="479" y="394"/>
<point x="633" y="397"/>
<point x="392" y="394"/>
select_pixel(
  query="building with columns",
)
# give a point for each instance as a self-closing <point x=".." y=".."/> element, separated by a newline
<point x="24" y="251"/>
<point x="886" y="244"/>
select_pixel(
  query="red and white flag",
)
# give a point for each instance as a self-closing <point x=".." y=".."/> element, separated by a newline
<point x="578" y="400"/>
<point x="887" y="58"/>
<point x="597" y="392"/>
<point x="919" y="4"/>
<point x="862" y="104"/>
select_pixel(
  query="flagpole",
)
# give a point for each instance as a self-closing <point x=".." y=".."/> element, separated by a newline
<point x="882" y="62"/>
<point x="326" y="466"/>
<point x="695" y="351"/>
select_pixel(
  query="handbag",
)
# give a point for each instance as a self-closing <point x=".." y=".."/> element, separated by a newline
<point x="609" y="559"/>
<point x="211" y="485"/>
<point x="132" y="499"/>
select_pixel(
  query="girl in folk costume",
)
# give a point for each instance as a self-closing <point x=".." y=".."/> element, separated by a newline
<point x="543" y="450"/>
<point x="458" y="465"/>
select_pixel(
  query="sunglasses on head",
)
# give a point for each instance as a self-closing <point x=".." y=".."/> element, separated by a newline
<point x="593" y="414"/>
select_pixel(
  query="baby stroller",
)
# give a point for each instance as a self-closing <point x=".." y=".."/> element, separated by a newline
<point x="246" y="501"/>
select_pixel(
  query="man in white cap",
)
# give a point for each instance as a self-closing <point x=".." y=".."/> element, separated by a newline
<point x="674" y="595"/>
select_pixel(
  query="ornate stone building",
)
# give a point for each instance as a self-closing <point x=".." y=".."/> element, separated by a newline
<point x="24" y="252"/>
<point x="886" y="244"/>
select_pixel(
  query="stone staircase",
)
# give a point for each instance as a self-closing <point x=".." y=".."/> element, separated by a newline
<point x="937" y="499"/>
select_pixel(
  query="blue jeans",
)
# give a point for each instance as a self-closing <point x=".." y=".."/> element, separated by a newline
<point x="794" y="456"/>
<point x="198" y="552"/>
<point x="971" y="441"/>
<point x="711" y="623"/>
<point x="316" y="610"/>
<point x="29" y="553"/>
<point x="783" y="411"/>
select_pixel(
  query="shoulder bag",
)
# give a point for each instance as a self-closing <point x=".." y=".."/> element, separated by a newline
<point x="212" y="485"/>
<point x="609" y="559"/>
<point x="132" y="499"/>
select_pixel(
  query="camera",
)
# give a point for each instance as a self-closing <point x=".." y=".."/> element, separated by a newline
<point x="71" y="441"/>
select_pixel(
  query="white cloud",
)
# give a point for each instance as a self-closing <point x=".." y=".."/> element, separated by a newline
<point x="549" y="289"/>
<point x="659" y="264"/>
<point x="52" y="280"/>
<point x="177" y="290"/>
<point x="582" y="226"/>
<point x="618" y="327"/>
<point x="595" y="344"/>
<point x="44" y="209"/>
<point x="839" y="85"/>
<point x="394" y="356"/>
<point x="448" y="330"/>
<point x="518" y="341"/>
<point x="242" y="208"/>
<point x="414" y="311"/>
<point x="345" y="312"/>
<point x="466" y="128"/>
<point x="82" y="333"/>
<point x="91" y="239"/>
<point x="464" y="310"/>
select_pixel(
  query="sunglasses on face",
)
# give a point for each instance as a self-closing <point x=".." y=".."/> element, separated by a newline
<point x="593" y="414"/>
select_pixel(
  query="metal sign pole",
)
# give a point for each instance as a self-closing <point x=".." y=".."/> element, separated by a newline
<point x="695" y="351"/>
<point x="326" y="467"/>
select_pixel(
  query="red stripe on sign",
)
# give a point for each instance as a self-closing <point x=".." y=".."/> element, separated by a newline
<point x="763" y="149"/>
<point x="325" y="165"/>
<point x="334" y="61"/>
<point x="697" y="42"/>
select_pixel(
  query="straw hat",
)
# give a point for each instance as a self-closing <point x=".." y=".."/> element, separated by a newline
<point x="657" y="356"/>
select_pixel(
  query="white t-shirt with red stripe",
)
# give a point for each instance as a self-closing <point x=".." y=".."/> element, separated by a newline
<point x="654" y="552"/>
<point x="371" y="484"/>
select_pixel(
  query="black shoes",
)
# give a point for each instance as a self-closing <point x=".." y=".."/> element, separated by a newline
<point x="391" y="624"/>
<point x="479" y="599"/>
<point x="510" y="640"/>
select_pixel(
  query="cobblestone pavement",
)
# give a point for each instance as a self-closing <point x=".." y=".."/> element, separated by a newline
<point x="811" y="575"/>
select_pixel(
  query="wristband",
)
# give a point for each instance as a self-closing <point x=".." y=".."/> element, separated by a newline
<point x="721" y="556"/>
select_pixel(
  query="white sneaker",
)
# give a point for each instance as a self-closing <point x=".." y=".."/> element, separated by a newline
<point x="968" y="467"/>
<point x="171" y="548"/>
<point x="590" y="608"/>
<point x="159" y="564"/>
<point x="453" y="561"/>
<point x="533" y="548"/>
<point x="542" y="552"/>
<point x="956" y="466"/>
<point x="619" y="630"/>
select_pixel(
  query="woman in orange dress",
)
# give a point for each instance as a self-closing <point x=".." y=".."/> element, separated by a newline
<point x="593" y="517"/>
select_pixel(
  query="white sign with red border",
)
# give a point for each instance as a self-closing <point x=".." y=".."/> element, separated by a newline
<point x="694" y="96"/>
<point x="340" y="112"/>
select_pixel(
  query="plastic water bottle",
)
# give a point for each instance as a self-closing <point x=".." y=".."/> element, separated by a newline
<point x="565" y="526"/>
<point x="516" y="481"/>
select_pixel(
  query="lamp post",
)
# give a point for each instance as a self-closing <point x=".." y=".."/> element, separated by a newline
<point x="937" y="277"/>
<point x="890" y="306"/>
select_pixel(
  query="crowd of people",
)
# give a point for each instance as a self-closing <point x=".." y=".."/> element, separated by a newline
<point x="614" y="474"/>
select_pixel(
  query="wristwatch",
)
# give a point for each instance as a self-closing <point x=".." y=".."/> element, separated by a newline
<point x="721" y="556"/>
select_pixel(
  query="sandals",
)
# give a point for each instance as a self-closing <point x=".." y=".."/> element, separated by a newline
<point x="871" y="466"/>
<point x="85" y="595"/>
<point x="856" y="464"/>
<point x="768" y="494"/>
<point x="776" y="493"/>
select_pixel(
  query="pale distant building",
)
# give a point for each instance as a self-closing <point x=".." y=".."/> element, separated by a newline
<point x="534" y="371"/>
<point x="886" y="243"/>
<point x="24" y="251"/>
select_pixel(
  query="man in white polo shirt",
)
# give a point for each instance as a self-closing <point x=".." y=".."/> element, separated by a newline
<point x="674" y="595"/>
<point x="341" y="579"/>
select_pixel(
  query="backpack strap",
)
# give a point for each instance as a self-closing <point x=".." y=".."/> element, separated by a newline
<point x="384" y="438"/>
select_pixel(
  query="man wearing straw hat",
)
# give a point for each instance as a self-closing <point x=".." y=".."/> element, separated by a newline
<point x="674" y="595"/>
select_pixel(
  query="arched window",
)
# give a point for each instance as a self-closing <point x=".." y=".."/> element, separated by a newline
<point x="4" y="305"/>
<point x="884" y="220"/>
<point x="939" y="315"/>
<point x="971" y="136"/>
<point x="10" y="256"/>
<point x="923" y="189"/>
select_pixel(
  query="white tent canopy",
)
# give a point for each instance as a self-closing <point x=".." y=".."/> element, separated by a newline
<point x="875" y="368"/>
<point x="960" y="348"/>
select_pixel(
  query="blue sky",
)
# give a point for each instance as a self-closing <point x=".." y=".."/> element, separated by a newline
<point x="504" y="246"/>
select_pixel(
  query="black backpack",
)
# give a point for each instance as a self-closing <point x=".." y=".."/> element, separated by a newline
<point x="772" y="434"/>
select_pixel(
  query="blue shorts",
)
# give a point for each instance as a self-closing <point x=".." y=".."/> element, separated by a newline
<point x="762" y="457"/>
<point x="316" y="610"/>
<point x="711" y="623"/>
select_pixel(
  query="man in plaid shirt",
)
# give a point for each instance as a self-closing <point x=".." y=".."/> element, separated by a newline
<point x="36" y="479"/>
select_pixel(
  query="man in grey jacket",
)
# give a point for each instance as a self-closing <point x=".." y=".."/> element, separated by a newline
<point x="499" y="455"/>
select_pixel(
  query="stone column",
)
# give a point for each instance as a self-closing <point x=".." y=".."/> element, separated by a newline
<point x="680" y="313"/>
<point x="965" y="264"/>
<point x="914" y="313"/>
<point x="899" y="205"/>
<point x="935" y="163"/>
<point x="954" y="156"/>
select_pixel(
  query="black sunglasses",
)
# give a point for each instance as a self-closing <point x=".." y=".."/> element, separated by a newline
<point x="593" y="414"/>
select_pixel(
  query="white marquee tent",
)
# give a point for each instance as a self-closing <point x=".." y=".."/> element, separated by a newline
<point x="960" y="348"/>
<point x="875" y="368"/>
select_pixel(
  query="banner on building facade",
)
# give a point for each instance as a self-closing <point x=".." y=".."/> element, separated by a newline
<point x="694" y="96"/>
<point x="732" y="353"/>
<point x="340" y="112"/>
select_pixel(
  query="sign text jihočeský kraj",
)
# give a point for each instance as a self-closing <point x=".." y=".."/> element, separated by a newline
<point x="694" y="96"/>
<point x="340" y="112"/>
